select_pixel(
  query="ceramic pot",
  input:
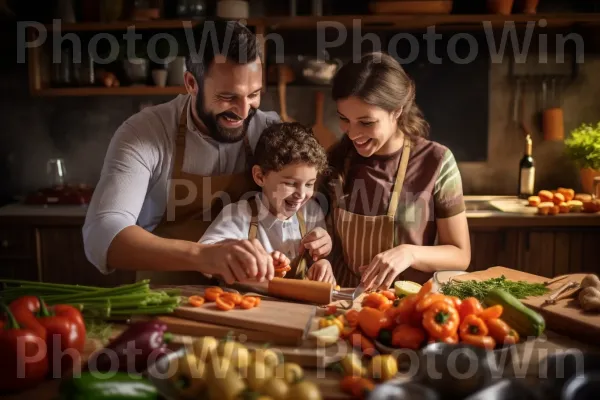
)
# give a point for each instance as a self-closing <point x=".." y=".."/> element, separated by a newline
<point x="503" y="7"/>
<point x="587" y="179"/>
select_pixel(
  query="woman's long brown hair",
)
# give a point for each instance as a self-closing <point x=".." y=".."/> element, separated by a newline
<point x="377" y="79"/>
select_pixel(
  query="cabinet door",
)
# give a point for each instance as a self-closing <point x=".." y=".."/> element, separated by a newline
<point x="21" y="269"/>
<point x="559" y="251"/>
<point x="63" y="260"/>
<point x="493" y="247"/>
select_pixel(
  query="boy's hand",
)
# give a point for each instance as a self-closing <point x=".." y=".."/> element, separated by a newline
<point x="317" y="242"/>
<point x="280" y="261"/>
<point x="321" y="271"/>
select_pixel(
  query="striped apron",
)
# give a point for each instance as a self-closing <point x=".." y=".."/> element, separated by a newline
<point x="299" y="264"/>
<point x="362" y="237"/>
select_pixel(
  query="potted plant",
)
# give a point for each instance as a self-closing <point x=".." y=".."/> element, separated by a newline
<point x="583" y="147"/>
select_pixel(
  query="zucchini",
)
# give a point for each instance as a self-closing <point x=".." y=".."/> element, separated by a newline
<point x="517" y="315"/>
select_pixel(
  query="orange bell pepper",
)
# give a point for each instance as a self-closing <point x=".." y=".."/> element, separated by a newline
<point x="389" y="294"/>
<point x="491" y="312"/>
<point x="352" y="317"/>
<point x="441" y="320"/>
<point x="473" y="325"/>
<point x="375" y="300"/>
<point x="486" y="342"/>
<point x="469" y="306"/>
<point x="405" y="310"/>
<point x="453" y="339"/>
<point x="501" y="331"/>
<point x="408" y="337"/>
<point x="431" y="298"/>
<point x="371" y="321"/>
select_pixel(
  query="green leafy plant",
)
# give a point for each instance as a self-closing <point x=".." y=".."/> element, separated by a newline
<point x="583" y="146"/>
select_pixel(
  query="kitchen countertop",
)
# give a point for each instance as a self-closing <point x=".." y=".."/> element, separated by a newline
<point x="479" y="214"/>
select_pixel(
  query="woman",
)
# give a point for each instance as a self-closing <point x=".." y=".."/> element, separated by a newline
<point x="397" y="203"/>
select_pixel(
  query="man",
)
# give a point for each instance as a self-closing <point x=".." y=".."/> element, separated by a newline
<point x="171" y="168"/>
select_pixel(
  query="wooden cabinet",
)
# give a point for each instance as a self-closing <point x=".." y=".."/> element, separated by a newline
<point x="541" y="251"/>
<point x="62" y="259"/>
<point x="51" y="253"/>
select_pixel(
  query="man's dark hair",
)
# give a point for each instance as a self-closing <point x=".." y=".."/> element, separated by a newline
<point x="287" y="143"/>
<point x="228" y="38"/>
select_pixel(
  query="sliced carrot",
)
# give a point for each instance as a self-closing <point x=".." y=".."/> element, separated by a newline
<point x="224" y="304"/>
<point x="257" y="301"/>
<point x="236" y="298"/>
<point x="248" y="303"/>
<point x="196" y="301"/>
<point x="212" y="293"/>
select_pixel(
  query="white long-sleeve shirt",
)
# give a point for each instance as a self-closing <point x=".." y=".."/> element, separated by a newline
<point x="273" y="234"/>
<point x="133" y="185"/>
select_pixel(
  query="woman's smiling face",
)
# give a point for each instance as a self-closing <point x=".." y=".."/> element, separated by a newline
<point x="371" y="129"/>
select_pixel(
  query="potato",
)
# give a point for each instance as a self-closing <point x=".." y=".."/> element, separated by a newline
<point x="564" y="208"/>
<point x="534" y="201"/>
<point x="554" y="210"/>
<point x="590" y="280"/>
<point x="589" y="299"/>
<point x="558" y="198"/>
<point x="545" y="195"/>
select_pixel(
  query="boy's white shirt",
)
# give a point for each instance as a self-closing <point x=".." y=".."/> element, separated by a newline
<point x="273" y="234"/>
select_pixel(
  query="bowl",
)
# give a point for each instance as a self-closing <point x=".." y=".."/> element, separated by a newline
<point x="402" y="391"/>
<point x="507" y="389"/>
<point x="557" y="370"/>
<point x="455" y="370"/>
<point x="582" y="387"/>
<point x="136" y="69"/>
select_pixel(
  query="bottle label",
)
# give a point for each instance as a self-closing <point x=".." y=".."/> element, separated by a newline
<point x="527" y="180"/>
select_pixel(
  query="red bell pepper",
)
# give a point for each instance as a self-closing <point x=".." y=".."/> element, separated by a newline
<point x="23" y="362"/>
<point x="61" y="326"/>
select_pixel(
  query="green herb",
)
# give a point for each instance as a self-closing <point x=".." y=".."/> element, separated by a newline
<point x="97" y="302"/>
<point x="479" y="289"/>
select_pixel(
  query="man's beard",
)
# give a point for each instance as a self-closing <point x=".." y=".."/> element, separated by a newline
<point x="220" y="133"/>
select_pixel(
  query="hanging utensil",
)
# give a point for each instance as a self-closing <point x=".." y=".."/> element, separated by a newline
<point x="516" y="101"/>
<point x="552" y="117"/>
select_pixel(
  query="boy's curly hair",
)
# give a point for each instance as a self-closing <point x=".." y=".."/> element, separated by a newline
<point x="286" y="143"/>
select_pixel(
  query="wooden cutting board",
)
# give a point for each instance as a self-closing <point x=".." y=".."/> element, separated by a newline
<point x="564" y="317"/>
<point x="289" y="320"/>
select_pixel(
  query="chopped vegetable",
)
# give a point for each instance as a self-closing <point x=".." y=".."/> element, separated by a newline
<point x="441" y="320"/>
<point x="519" y="317"/>
<point x="479" y="289"/>
<point x="89" y="385"/>
<point x="196" y="301"/>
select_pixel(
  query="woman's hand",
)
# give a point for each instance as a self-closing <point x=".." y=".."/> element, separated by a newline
<point x="321" y="271"/>
<point x="385" y="267"/>
<point x="317" y="242"/>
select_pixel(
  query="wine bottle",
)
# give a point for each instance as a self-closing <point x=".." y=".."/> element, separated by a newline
<point x="527" y="171"/>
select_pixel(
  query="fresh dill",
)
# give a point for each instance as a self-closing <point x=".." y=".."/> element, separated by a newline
<point x="479" y="289"/>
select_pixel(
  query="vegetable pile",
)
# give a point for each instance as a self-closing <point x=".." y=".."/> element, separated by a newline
<point x="52" y="339"/>
<point x="224" y="301"/>
<point x="479" y="289"/>
<point x="227" y="370"/>
<point x="97" y="302"/>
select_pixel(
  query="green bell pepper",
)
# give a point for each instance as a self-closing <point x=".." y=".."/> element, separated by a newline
<point x="96" y="386"/>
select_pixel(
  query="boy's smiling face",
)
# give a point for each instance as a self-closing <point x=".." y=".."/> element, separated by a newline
<point x="286" y="190"/>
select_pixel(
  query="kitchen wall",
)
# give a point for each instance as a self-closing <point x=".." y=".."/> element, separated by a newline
<point x="79" y="129"/>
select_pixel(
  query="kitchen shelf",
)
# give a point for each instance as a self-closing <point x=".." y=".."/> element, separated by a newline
<point x="405" y="21"/>
<point x="112" y="91"/>
<point x="139" y="25"/>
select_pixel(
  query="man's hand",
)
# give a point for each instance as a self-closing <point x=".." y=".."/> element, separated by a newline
<point x="240" y="260"/>
<point x="321" y="271"/>
<point x="317" y="242"/>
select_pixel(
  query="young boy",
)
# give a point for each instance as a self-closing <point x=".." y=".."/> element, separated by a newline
<point x="288" y="223"/>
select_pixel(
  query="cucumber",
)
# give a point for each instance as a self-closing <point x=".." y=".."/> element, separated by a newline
<point x="517" y="315"/>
